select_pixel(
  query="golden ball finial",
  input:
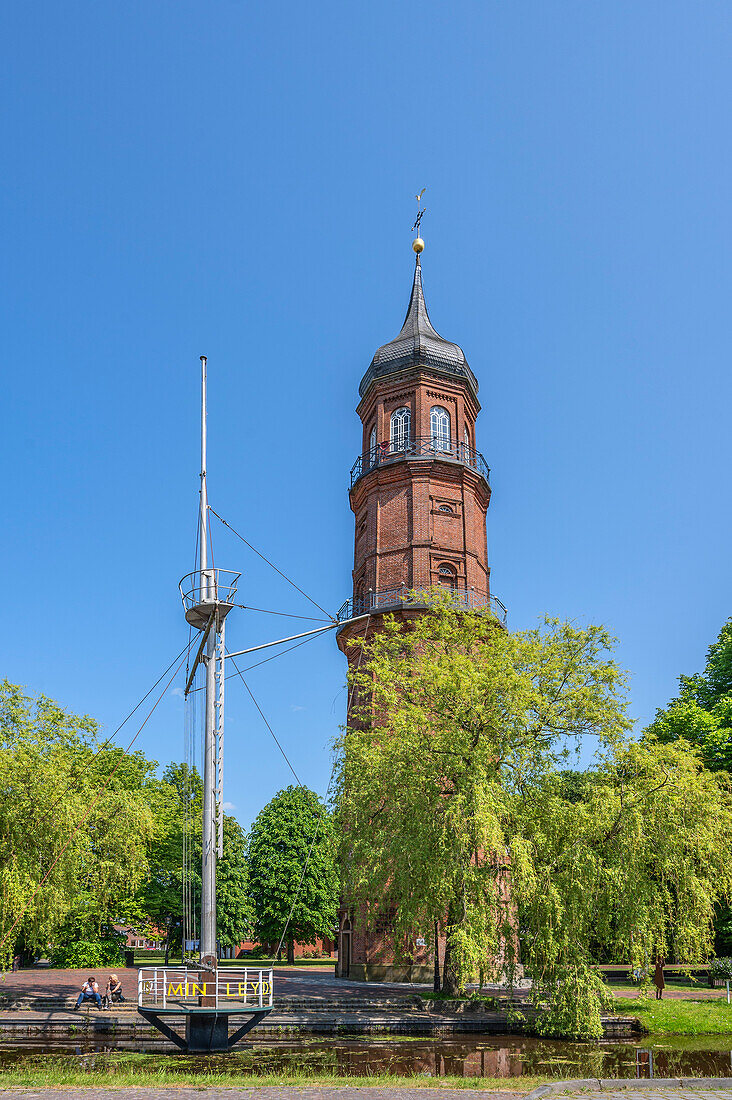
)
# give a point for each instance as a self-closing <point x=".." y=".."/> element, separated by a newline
<point x="418" y="245"/>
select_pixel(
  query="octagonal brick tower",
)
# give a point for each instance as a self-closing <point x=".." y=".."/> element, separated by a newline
<point x="419" y="494"/>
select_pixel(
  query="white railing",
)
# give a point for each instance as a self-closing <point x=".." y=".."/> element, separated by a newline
<point x="185" y="987"/>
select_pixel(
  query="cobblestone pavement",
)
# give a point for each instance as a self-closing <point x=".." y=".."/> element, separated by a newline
<point x="316" y="981"/>
<point x="658" y="1093"/>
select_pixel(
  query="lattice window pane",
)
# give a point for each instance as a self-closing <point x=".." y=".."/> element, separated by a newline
<point x="400" y="425"/>
<point x="440" y="428"/>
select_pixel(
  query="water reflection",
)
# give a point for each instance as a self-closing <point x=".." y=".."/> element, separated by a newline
<point x="471" y="1056"/>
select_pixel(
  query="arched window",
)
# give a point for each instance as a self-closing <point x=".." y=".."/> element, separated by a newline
<point x="372" y="446"/>
<point x="440" y="428"/>
<point x="448" y="575"/>
<point x="446" y="509"/>
<point x="399" y="425"/>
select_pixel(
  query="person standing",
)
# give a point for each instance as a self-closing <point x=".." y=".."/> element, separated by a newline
<point x="658" y="979"/>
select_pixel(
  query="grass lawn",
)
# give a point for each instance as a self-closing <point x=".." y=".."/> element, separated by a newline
<point x="144" y="1070"/>
<point x="687" y="1017"/>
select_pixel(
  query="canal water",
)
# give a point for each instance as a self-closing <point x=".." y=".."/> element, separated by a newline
<point x="474" y="1056"/>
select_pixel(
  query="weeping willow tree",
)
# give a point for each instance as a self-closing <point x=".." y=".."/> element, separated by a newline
<point x="452" y="809"/>
<point x="76" y="820"/>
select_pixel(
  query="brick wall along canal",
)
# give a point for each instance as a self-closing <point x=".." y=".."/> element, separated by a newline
<point x="473" y="1056"/>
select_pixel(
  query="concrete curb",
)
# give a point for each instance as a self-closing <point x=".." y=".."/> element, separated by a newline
<point x="612" y="1084"/>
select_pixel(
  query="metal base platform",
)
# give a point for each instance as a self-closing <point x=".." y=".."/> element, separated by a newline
<point x="206" y="999"/>
<point x="207" y="1029"/>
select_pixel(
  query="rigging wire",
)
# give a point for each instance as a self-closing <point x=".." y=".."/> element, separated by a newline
<point x="97" y="798"/>
<point x="264" y="661"/>
<point x="105" y="744"/>
<point x="191" y="733"/>
<point x="286" y="614"/>
<point x="264" y="719"/>
<point x="188" y="930"/>
<point x="271" y="564"/>
<point x="239" y="672"/>
<point x="322" y="810"/>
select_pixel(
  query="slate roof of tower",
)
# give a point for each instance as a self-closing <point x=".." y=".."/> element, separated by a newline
<point x="418" y="345"/>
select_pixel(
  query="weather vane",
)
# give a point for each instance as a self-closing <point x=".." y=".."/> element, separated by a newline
<point x="418" y="243"/>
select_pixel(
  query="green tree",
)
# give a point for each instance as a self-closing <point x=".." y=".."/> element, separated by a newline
<point x="75" y="822"/>
<point x="290" y="856"/>
<point x="702" y="711"/>
<point x="452" y="807"/>
<point x="234" y="910"/>
<point x="159" y="902"/>
<point x="702" y="715"/>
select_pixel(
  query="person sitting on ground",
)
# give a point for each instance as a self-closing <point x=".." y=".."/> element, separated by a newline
<point x="113" y="992"/>
<point x="89" y="992"/>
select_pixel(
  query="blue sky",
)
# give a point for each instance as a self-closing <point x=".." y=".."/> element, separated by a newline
<point x="184" y="178"/>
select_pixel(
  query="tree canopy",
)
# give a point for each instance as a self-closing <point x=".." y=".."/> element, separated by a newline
<point x="159" y="901"/>
<point x="290" y="856"/>
<point x="452" y="807"/>
<point x="702" y="711"/>
<point x="75" y="815"/>
<point x="89" y="836"/>
<point x="702" y="715"/>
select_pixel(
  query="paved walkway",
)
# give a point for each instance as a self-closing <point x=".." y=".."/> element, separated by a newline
<point x="314" y="981"/>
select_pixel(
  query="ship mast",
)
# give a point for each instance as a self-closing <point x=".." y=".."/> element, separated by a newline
<point x="215" y="632"/>
<point x="208" y="596"/>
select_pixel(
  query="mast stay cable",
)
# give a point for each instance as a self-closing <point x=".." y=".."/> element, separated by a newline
<point x="274" y="657"/>
<point x="105" y="744"/>
<point x="271" y="564"/>
<point x="322" y="810"/>
<point x="321" y="815"/>
<point x="264" y="719"/>
<point x="285" y="614"/>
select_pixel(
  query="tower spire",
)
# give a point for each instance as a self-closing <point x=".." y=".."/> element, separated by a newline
<point x="418" y="344"/>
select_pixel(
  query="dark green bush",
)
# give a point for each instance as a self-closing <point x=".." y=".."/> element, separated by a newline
<point x="106" y="951"/>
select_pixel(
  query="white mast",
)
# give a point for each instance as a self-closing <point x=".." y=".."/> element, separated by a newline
<point x="208" y="595"/>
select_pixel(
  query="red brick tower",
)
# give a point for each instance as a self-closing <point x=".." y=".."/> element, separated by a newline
<point x="420" y="494"/>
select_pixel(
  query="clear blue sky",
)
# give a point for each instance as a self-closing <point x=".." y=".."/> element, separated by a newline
<point x="237" y="180"/>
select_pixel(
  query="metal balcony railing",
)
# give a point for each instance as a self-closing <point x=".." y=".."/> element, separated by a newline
<point x="401" y="595"/>
<point x="422" y="447"/>
<point x="201" y="592"/>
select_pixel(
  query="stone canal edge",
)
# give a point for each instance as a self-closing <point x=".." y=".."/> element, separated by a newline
<point x="673" y="1088"/>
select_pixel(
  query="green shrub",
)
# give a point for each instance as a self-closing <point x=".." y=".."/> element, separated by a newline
<point x="721" y="968"/>
<point x="88" y="954"/>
